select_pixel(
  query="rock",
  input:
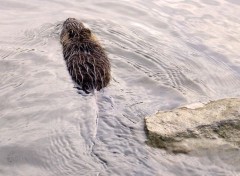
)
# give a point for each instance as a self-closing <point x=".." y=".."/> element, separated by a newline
<point x="185" y="129"/>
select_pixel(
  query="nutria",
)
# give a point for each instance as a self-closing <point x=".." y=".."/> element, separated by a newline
<point x="86" y="60"/>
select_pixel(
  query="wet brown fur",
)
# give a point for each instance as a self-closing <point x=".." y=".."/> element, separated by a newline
<point x="86" y="60"/>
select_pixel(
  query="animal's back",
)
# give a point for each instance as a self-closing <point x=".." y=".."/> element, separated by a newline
<point x="86" y="60"/>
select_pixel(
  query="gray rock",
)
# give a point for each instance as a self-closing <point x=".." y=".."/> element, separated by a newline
<point x="186" y="129"/>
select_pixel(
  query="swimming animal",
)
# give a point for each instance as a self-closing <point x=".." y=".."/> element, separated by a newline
<point x="85" y="58"/>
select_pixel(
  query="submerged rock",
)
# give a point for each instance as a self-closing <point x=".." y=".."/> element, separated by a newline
<point x="185" y="129"/>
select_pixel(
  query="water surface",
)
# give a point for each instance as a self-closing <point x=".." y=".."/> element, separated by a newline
<point x="164" y="54"/>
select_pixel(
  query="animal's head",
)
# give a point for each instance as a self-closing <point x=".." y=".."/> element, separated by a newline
<point x="74" y="30"/>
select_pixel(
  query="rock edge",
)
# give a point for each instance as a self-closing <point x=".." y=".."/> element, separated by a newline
<point x="183" y="130"/>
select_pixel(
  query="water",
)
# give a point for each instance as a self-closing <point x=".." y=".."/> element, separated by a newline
<point x="164" y="54"/>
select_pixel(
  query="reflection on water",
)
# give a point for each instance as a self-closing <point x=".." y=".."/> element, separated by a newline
<point x="163" y="53"/>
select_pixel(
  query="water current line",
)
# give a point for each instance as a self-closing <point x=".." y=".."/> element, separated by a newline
<point x="97" y="113"/>
<point x="94" y="139"/>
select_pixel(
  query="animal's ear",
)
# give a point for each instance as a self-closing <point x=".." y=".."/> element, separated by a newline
<point x="71" y="33"/>
<point x="87" y="31"/>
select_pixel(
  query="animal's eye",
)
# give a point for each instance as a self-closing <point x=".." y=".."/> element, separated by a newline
<point x="71" y="34"/>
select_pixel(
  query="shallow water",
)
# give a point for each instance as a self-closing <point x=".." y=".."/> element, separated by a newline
<point x="164" y="54"/>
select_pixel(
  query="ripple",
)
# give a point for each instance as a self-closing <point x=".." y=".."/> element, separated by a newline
<point x="163" y="53"/>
